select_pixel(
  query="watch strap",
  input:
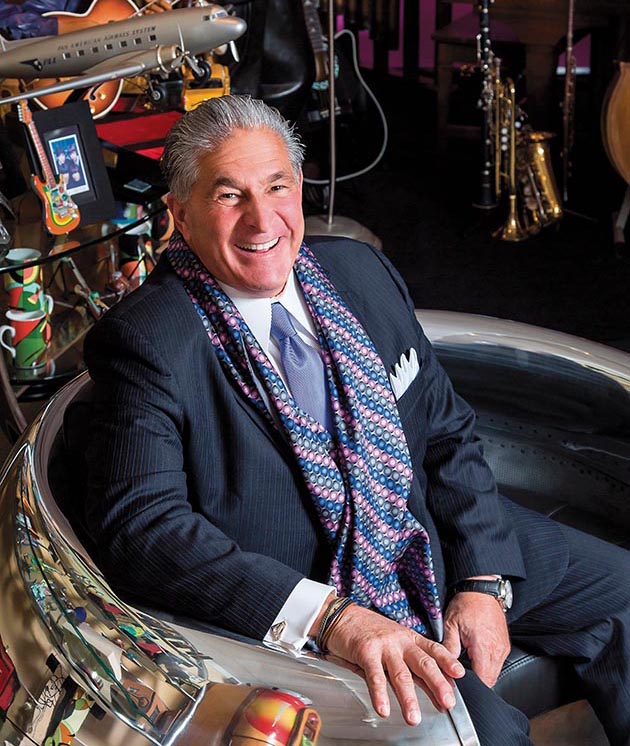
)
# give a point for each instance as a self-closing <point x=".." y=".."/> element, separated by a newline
<point x="491" y="587"/>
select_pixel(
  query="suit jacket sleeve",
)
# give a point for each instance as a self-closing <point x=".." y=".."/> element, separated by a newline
<point x="151" y="543"/>
<point x="475" y="532"/>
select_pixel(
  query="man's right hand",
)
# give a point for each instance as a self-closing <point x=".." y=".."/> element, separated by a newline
<point x="386" y="651"/>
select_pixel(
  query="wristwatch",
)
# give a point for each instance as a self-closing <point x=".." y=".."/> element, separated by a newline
<point x="501" y="589"/>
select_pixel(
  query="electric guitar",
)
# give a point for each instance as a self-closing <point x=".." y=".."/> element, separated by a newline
<point x="101" y="97"/>
<point x="61" y="215"/>
<point x="360" y="123"/>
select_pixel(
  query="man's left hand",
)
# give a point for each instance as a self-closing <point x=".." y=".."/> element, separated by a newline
<point x="476" y="621"/>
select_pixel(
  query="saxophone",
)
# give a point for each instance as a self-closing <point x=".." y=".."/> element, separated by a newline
<point x="521" y="156"/>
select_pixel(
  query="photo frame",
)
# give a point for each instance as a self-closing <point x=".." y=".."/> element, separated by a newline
<point x="68" y="134"/>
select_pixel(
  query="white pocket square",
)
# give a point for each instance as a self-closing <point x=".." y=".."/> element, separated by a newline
<point x="405" y="370"/>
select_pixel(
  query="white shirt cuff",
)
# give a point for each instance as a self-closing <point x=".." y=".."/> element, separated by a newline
<point x="289" y="631"/>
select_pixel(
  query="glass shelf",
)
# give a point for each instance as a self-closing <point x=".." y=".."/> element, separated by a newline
<point x="71" y="317"/>
<point x="79" y="240"/>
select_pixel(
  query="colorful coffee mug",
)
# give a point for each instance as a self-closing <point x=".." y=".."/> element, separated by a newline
<point x="30" y="334"/>
<point x="22" y="285"/>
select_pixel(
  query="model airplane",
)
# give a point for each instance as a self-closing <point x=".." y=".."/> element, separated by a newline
<point x="119" y="49"/>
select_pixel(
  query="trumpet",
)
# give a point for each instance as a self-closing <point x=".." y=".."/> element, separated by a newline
<point x="522" y="165"/>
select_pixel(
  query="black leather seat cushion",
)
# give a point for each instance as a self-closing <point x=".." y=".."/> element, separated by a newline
<point x="535" y="684"/>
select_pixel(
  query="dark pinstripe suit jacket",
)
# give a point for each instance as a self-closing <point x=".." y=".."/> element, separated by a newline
<point x="195" y="502"/>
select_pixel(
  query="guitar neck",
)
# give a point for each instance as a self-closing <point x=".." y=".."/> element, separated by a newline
<point x="317" y="40"/>
<point x="49" y="177"/>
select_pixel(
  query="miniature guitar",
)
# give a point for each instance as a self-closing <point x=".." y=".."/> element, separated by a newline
<point x="61" y="215"/>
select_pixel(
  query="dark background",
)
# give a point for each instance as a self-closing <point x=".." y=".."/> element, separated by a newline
<point x="569" y="278"/>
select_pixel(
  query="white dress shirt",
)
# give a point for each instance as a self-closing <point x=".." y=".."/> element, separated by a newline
<point x="289" y="630"/>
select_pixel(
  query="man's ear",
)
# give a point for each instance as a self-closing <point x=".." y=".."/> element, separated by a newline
<point x="178" y="211"/>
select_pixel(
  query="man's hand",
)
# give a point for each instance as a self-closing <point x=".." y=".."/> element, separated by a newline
<point x="477" y="622"/>
<point x="386" y="651"/>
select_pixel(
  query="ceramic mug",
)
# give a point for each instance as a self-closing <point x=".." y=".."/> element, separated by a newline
<point x="30" y="334"/>
<point x="22" y="285"/>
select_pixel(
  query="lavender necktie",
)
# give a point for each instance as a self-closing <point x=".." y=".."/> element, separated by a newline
<point x="303" y="367"/>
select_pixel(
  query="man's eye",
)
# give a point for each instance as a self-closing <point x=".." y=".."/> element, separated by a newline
<point x="228" y="196"/>
<point x="279" y="187"/>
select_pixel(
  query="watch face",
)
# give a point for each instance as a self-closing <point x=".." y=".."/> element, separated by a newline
<point x="506" y="594"/>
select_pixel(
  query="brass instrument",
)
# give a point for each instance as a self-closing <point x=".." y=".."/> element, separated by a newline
<point x="520" y="156"/>
<point x="522" y="165"/>
<point x="505" y="153"/>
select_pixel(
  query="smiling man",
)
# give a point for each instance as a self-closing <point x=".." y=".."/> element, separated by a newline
<point x="243" y="216"/>
<point x="276" y="451"/>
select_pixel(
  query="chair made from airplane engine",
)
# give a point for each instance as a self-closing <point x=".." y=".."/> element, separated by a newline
<point x="533" y="683"/>
<point x="554" y="431"/>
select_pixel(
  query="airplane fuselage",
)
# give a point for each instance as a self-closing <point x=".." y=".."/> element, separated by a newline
<point x="74" y="53"/>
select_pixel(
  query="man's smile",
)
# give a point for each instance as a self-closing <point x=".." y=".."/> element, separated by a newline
<point x="258" y="246"/>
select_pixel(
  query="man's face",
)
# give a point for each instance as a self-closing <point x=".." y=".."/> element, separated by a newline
<point x="243" y="217"/>
<point x="74" y="155"/>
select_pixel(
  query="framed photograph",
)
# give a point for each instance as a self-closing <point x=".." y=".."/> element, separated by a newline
<point x="68" y="135"/>
<point x="68" y="161"/>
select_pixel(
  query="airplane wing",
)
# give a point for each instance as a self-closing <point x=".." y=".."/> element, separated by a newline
<point x="164" y="58"/>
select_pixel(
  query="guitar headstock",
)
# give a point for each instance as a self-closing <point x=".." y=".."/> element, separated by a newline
<point x="24" y="113"/>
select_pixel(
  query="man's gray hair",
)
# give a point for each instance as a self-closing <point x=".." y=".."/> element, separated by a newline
<point x="206" y="127"/>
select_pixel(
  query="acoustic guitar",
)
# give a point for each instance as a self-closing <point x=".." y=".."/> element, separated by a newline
<point x="361" y="128"/>
<point x="61" y="215"/>
<point x="615" y="121"/>
<point x="101" y="98"/>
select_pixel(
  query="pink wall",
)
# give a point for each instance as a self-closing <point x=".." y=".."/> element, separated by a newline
<point x="427" y="27"/>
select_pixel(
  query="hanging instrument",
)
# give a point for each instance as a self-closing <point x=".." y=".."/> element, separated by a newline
<point x="360" y="124"/>
<point x="517" y="157"/>
<point x="487" y="192"/>
<point x="568" y="105"/>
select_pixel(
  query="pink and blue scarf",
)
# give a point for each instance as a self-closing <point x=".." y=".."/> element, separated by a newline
<point x="359" y="477"/>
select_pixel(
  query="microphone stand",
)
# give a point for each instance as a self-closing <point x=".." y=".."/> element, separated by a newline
<point x="329" y="224"/>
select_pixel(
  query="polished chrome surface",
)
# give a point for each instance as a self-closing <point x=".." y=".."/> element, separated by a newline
<point x="156" y="682"/>
<point x="464" y="329"/>
<point x="553" y="416"/>
<point x="553" y="413"/>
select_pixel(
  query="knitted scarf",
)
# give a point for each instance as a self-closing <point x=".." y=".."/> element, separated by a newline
<point x="359" y="477"/>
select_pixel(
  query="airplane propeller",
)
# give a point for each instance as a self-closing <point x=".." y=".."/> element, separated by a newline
<point x="186" y="55"/>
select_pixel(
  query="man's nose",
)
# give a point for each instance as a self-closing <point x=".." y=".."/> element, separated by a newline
<point x="259" y="213"/>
